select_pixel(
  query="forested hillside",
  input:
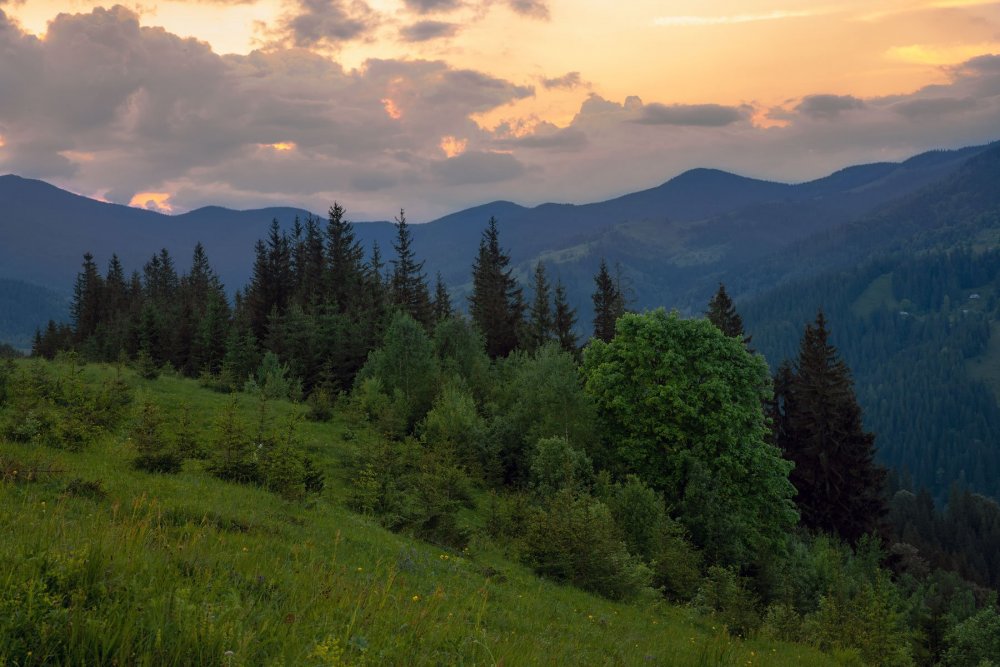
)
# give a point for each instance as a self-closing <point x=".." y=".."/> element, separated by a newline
<point x="920" y="335"/>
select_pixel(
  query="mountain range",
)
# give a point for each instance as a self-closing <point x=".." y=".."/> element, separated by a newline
<point x="672" y="242"/>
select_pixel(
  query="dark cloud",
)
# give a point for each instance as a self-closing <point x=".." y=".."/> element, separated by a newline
<point x="477" y="167"/>
<point x="934" y="106"/>
<point x="701" y="115"/>
<point x="330" y="22"/>
<point x="568" y="80"/>
<point x="423" y="31"/>
<point x="430" y="6"/>
<point x="536" y="9"/>
<point x="828" y="106"/>
<point x="545" y="136"/>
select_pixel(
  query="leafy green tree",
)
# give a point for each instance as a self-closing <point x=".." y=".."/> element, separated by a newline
<point x="818" y="422"/>
<point x="454" y="423"/>
<point x="496" y="303"/>
<point x="975" y="642"/>
<point x="609" y="303"/>
<point x="461" y="354"/>
<point x="405" y="367"/>
<point x="679" y="405"/>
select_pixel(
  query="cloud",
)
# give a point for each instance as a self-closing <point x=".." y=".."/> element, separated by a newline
<point x="701" y="115"/>
<point x="330" y="22"/>
<point x="477" y="167"/>
<point x="536" y="9"/>
<point x="423" y="31"/>
<point x="429" y="6"/>
<point x="828" y="106"/>
<point x="545" y="136"/>
<point x="934" y="106"/>
<point x="567" y="80"/>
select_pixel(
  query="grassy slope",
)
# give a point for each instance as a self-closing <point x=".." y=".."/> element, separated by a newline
<point x="186" y="568"/>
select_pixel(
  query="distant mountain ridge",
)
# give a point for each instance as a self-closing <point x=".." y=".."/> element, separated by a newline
<point x="672" y="241"/>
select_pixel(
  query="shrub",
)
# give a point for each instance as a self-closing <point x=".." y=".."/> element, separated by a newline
<point x="272" y="381"/>
<point x="233" y="455"/>
<point x="145" y="366"/>
<point x="155" y="452"/>
<point x="453" y="422"/>
<point x="557" y="466"/>
<point x="575" y="540"/>
<point x="320" y="406"/>
<point x="975" y="642"/>
<point x="724" y="595"/>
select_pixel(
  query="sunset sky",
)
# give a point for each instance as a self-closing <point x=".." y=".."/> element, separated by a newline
<point x="439" y="104"/>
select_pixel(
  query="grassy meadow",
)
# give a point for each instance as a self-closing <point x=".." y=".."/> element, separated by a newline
<point x="102" y="564"/>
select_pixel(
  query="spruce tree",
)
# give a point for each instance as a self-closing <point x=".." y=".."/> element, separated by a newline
<point x="88" y="300"/>
<point x="818" y="426"/>
<point x="344" y="262"/>
<point x="609" y="304"/>
<point x="442" y="301"/>
<point x="409" y="285"/>
<point x="496" y="303"/>
<point x="540" y="324"/>
<point x="722" y="313"/>
<point x="565" y="321"/>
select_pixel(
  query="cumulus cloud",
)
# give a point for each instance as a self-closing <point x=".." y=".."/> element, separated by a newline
<point x="702" y="115"/>
<point x="330" y="22"/>
<point x="828" y="106"/>
<point x="423" y="31"/>
<point x="544" y="136"/>
<point x="567" y="80"/>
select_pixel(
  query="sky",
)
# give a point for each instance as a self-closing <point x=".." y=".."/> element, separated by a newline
<point x="436" y="105"/>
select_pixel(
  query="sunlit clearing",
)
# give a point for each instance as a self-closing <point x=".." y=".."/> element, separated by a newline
<point x="152" y="201"/>
<point x="453" y="146"/>
<point x="391" y="108"/>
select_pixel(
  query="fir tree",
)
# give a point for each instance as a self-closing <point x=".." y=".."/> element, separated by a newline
<point x="344" y="262"/>
<point x="442" y="301"/>
<point x="565" y="321"/>
<point x="409" y="285"/>
<point x="88" y="300"/>
<point x="609" y="304"/>
<point x="818" y="426"/>
<point x="496" y="304"/>
<point x="540" y="324"/>
<point x="722" y="313"/>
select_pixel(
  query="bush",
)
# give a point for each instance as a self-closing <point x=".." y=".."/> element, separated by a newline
<point x="454" y="423"/>
<point x="557" y="466"/>
<point x="320" y="406"/>
<point x="145" y="366"/>
<point x="575" y="540"/>
<point x="724" y="595"/>
<point x="272" y="382"/>
<point x="233" y="455"/>
<point x="155" y="452"/>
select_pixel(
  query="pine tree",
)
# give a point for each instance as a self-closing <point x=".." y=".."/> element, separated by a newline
<point x="540" y="324"/>
<point x="442" y="301"/>
<point x="818" y="426"/>
<point x="496" y="303"/>
<point x="409" y="285"/>
<point x="565" y="321"/>
<point x="88" y="300"/>
<point x="722" y="313"/>
<point x="609" y="303"/>
<point x="309" y="267"/>
<point x="344" y="262"/>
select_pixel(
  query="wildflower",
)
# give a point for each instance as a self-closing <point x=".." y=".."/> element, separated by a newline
<point x="416" y="598"/>
<point x="361" y="569"/>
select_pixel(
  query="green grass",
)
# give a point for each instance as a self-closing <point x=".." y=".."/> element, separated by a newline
<point x="138" y="568"/>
